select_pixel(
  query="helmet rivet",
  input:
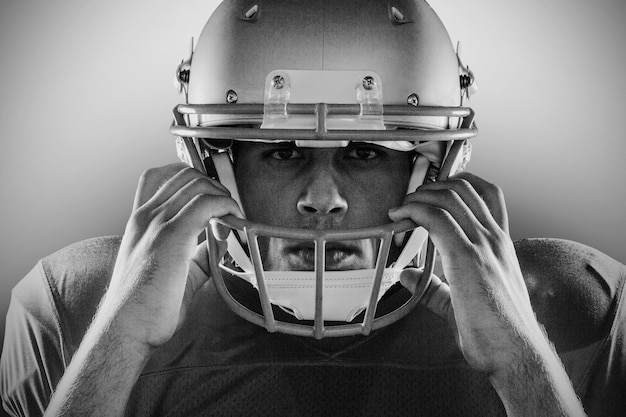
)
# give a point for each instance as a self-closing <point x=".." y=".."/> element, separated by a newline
<point x="466" y="81"/>
<point x="231" y="97"/>
<point x="369" y="83"/>
<point x="413" y="100"/>
<point x="183" y="75"/>
<point x="278" y="82"/>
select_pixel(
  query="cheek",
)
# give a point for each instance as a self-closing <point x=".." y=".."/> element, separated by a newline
<point x="266" y="200"/>
<point x="380" y="189"/>
<point x="370" y="201"/>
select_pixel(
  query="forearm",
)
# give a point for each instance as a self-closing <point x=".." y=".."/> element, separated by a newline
<point x="101" y="375"/>
<point x="535" y="383"/>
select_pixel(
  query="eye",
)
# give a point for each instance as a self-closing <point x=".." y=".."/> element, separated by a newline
<point x="363" y="153"/>
<point x="284" y="154"/>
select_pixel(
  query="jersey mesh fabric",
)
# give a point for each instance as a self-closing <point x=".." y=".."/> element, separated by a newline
<point x="296" y="390"/>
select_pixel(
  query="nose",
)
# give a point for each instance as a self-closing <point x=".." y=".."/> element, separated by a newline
<point x="322" y="195"/>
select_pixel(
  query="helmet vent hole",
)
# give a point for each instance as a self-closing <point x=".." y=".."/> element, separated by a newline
<point x="396" y="16"/>
<point x="231" y="96"/>
<point x="251" y="13"/>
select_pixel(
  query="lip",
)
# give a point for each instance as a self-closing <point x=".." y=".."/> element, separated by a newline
<point x="339" y="256"/>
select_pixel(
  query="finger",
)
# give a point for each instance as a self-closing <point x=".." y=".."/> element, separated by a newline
<point x="436" y="296"/>
<point x="493" y="197"/>
<point x="196" y="215"/>
<point x="219" y="230"/>
<point x="199" y="270"/>
<point x="152" y="179"/>
<point x="462" y="189"/>
<point x="452" y="203"/>
<point x="197" y="186"/>
<point x="197" y="276"/>
<point x="398" y="239"/>
<point x="183" y="179"/>
<point x="201" y="258"/>
<point x="437" y="299"/>
<point x="445" y="232"/>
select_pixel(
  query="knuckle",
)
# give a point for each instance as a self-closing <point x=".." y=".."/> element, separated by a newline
<point x="147" y="175"/>
<point x="186" y="170"/>
<point x="463" y="184"/>
<point x="194" y="179"/>
<point x="501" y="239"/>
<point x="195" y="184"/>
<point x="161" y="232"/>
<point x="466" y="175"/>
<point x="450" y="194"/>
<point x="138" y="222"/>
<point x="440" y="213"/>
<point x="498" y="195"/>
<point x="140" y="216"/>
<point x="199" y="204"/>
<point x="493" y="189"/>
<point x="202" y="200"/>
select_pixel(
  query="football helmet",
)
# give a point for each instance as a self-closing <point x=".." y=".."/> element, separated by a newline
<point x="323" y="73"/>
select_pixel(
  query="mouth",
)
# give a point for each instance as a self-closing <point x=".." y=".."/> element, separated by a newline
<point x="338" y="256"/>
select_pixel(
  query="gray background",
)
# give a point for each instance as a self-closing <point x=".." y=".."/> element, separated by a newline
<point x="87" y="92"/>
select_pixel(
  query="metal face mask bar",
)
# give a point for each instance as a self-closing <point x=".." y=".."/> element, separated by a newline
<point x="252" y="231"/>
<point x="252" y="114"/>
<point x="320" y="237"/>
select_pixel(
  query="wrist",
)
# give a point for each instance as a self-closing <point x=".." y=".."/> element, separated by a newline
<point x="534" y="382"/>
<point x="102" y="372"/>
<point x="112" y="327"/>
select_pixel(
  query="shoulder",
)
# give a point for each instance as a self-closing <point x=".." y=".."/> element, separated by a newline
<point x="96" y="254"/>
<point x="73" y="280"/>
<point x="575" y="289"/>
<point x="50" y="310"/>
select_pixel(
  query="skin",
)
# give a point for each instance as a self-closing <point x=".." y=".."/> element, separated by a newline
<point x="332" y="188"/>
<point x="486" y="301"/>
<point x="159" y="268"/>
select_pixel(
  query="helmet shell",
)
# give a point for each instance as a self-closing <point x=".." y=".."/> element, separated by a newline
<point x="403" y="41"/>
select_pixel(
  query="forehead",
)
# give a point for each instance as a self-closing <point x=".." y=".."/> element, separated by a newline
<point x="241" y="149"/>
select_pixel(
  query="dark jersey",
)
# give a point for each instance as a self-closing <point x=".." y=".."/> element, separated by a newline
<point x="219" y="364"/>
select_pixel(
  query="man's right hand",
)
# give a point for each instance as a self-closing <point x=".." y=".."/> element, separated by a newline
<point x="152" y="286"/>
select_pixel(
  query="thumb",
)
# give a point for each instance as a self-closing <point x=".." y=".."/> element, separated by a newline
<point x="200" y="260"/>
<point x="199" y="270"/>
<point x="197" y="275"/>
<point x="436" y="293"/>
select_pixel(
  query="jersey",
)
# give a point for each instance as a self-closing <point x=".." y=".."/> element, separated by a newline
<point x="218" y="364"/>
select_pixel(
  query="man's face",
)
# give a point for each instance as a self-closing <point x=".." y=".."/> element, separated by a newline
<point x="320" y="188"/>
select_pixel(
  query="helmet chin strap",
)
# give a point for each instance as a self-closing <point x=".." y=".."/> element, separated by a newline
<point x="226" y="175"/>
<point x="346" y="293"/>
